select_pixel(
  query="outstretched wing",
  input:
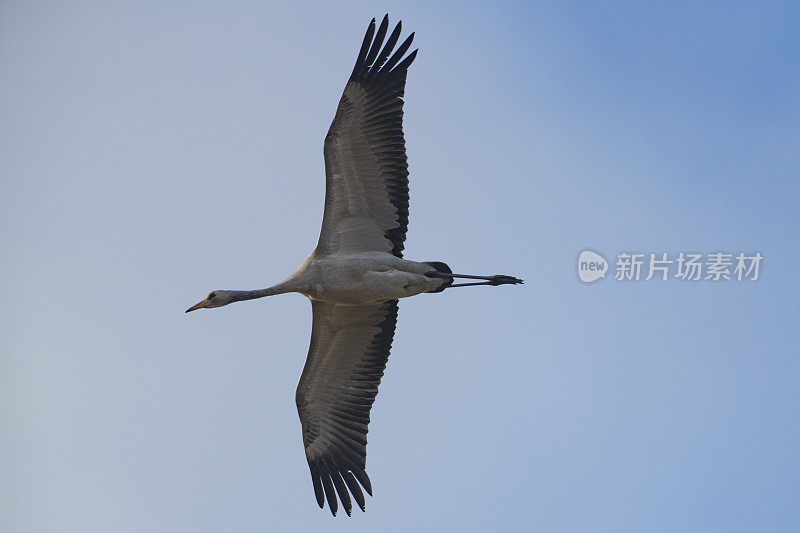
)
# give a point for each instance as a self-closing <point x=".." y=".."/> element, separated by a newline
<point x="366" y="194"/>
<point x="349" y="348"/>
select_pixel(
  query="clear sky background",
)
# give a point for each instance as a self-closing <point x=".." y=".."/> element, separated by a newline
<point x="151" y="152"/>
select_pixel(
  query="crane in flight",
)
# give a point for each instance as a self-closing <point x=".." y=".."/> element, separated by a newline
<point x="356" y="274"/>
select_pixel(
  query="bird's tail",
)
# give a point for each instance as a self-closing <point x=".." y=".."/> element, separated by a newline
<point x="443" y="268"/>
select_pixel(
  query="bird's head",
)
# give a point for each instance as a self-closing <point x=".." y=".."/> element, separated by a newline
<point x="214" y="299"/>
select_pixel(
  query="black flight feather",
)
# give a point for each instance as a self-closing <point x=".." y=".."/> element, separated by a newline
<point x="376" y="44"/>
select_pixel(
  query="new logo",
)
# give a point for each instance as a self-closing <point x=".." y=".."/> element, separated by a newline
<point x="591" y="266"/>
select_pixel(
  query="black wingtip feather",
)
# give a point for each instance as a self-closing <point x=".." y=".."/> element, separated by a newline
<point x="404" y="64"/>
<point x="315" y="479"/>
<point x="352" y="484"/>
<point x="334" y="476"/>
<point x="387" y="48"/>
<point x="362" y="54"/>
<point x="330" y="494"/>
<point x="341" y="489"/>
<point x="398" y="54"/>
<point x="370" y="63"/>
<point x="377" y="42"/>
<point x="318" y="489"/>
<point x="363" y="478"/>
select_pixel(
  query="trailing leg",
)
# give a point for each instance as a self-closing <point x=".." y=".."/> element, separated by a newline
<point x="498" y="279"/>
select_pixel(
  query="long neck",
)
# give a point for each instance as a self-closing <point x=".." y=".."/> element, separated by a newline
<point x="280" y="288"/>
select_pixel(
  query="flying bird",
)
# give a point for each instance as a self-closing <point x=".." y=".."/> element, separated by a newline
<point x="356" y="274"/>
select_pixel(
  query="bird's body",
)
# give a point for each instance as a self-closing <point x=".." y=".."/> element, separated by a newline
<point x="356" y="274"/>
<point x="361" y="278"/>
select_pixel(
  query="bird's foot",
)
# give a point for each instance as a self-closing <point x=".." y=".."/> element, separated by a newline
<point x="501" y="279"/>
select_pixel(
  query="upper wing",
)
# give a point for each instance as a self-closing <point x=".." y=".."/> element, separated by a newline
<point x="349" y="348"/>
<point x="366" y="194"/>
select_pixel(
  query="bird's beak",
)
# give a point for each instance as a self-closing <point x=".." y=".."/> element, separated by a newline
<point x="199" y="305"/>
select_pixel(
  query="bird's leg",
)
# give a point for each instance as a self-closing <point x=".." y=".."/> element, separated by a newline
<point x="469" y="284"/>
<point x="498" y="279"/>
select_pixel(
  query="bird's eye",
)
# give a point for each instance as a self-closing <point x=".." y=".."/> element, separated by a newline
<point x="212" y="296"/>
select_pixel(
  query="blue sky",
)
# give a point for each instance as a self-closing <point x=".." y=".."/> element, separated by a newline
<point x="154" y="152"/>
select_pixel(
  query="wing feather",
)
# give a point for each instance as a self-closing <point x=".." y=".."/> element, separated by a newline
<point x="347" y="356"/>
<point x="366" y="193"/>
<point x="399" y="53"/>
<point x="390" y="42"/>
<point x="376" y="44"/>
